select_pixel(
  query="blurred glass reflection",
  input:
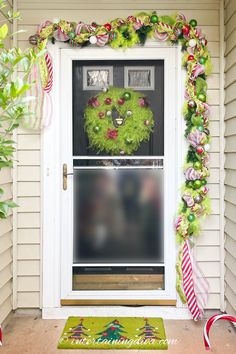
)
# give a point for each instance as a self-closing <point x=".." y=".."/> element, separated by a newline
<point x="118" y="216"/>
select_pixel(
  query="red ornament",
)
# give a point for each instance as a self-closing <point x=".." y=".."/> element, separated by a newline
<point x="186" y="30"/>
<point x="112" y="133"/>
<point x="101" y="114"/>
<point x="107" y="26"/>
<point x="113" y="328"/>
<point x="121" y="101"/>
<point x="200" y="150"/>
<point x="105" y="334"/>
<point x="108" y="100"/>
<point x="190" y="57"/>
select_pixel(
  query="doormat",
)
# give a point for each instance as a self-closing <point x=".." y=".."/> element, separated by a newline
<point x="113" y="333"/>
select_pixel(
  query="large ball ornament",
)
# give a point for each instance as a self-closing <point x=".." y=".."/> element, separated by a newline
<point x="154" y="19"/>
<point x="192" y="43"/>
<point x="197" y="165"/>
<point x="200" y="150"/>
<point x="127" y="96"/>
<point x="186" y="30"/>
<point x="121" y="101"/>
<point x="202" y="60"/>
<point x="190" y="57"/>
<point x="93" y="39"/>
<point x="198" y="198"/>
<point x="191" y="217"/>
<point x="71" y="35"/>
<point x="193" y="22"/>
<point x="197" y="183"/>
<point x="202" y="97"/>
<point x="197" y="119"/>
<point x="96" y="129"/>
<point x="107" y="26"/>
<point x="128" y="141"/>
<point x="203" y="182"/>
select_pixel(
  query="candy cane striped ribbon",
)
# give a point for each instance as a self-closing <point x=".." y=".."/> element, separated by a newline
<point x="0" y="335"/>
<point x="188" y="283"/>
<point x="210" y="322"/>
<point x="48" y="60"/>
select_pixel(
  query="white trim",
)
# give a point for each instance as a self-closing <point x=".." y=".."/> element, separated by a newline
<point x="166" y="312"/>
<point x="55" y="273"/>
<point x="222" y="159"/>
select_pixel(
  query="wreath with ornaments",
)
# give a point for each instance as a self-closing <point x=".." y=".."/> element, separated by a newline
<point x="118" y="120"/>
<point x="105" y="133"/>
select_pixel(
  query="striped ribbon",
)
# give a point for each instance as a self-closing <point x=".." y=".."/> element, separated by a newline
<point x="48" y="61"/>
<point x="210" y="322"/>
<point x="194" y="284"/>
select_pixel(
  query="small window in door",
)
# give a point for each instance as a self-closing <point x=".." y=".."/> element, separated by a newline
<point x="95" y="78"/>
<point x="139" y="77"/>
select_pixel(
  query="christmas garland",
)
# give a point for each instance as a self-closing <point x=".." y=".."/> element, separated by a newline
<point x="118" y="120"/>
<point x="134" y="30"/>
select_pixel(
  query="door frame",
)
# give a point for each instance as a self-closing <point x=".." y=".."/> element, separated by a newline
<point x="56" y="255"/>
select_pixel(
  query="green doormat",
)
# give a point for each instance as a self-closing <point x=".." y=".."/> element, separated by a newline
<point x="113" y="333"/>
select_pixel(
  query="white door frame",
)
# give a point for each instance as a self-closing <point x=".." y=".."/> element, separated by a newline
<point x="56" y="247"/>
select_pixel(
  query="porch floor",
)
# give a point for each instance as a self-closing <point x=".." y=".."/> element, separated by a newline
<point x="33" y="335"/>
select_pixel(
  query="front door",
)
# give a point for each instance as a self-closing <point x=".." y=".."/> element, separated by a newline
<point x="111" y="240"/>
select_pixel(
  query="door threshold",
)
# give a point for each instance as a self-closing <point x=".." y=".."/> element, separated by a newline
<point x="117" y="302"/>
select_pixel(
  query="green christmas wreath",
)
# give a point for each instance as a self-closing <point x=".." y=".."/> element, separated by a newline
<point x="118" y="120"/>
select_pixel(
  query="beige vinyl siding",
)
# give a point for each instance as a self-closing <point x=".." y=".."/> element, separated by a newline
<point x="5" y="241"/>
<point x="34" y="12"/>
<point x="230" y="156"/>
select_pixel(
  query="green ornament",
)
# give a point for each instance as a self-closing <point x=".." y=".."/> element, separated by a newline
<point x="71" y="35"/>
<point x="197" y="119"/>
<point x="197" y="183"/>
<point x="204" y="182"/>
<point x="96" y="129"/>
<point x="193" y="22"/>
<point x="127" y="96"/>
<point x="154" y="19"/>
<point x="201" y="128"/>
<point x="197" y="165"/>
<point x="128" y="141"/>
<point x="191" y="217"/>
<point x="202" y="97"/>
<point x="202" y="60"/>
<point x="190" y="184"/>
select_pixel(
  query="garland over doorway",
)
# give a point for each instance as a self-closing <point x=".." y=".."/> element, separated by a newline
<point x="131" y="31"/>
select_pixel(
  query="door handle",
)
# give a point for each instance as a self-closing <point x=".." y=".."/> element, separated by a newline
<point x="64" y="175"/>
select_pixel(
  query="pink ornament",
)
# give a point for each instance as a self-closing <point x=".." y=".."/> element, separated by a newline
<point x="188" y="199"/>
<point x="191" y="174"/>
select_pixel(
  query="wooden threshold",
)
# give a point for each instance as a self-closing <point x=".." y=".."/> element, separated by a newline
<point x="82" y="302"/>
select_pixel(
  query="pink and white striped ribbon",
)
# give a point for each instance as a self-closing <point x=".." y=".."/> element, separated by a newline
<point x="210" y="322"/>
<point x="48" y="60"/>
<point x="194" y="284"/>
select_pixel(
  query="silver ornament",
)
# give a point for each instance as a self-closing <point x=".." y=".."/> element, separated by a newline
<point x="198" y="198"/>
<point x="129" y="113"/>
<point x="108" y="113"/>
<point x="93" y="39"/>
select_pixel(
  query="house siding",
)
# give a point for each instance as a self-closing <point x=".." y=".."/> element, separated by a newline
<point x="208" y="244"/>
<point x="230" y="156"/>
<point x="6" y="241"/>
